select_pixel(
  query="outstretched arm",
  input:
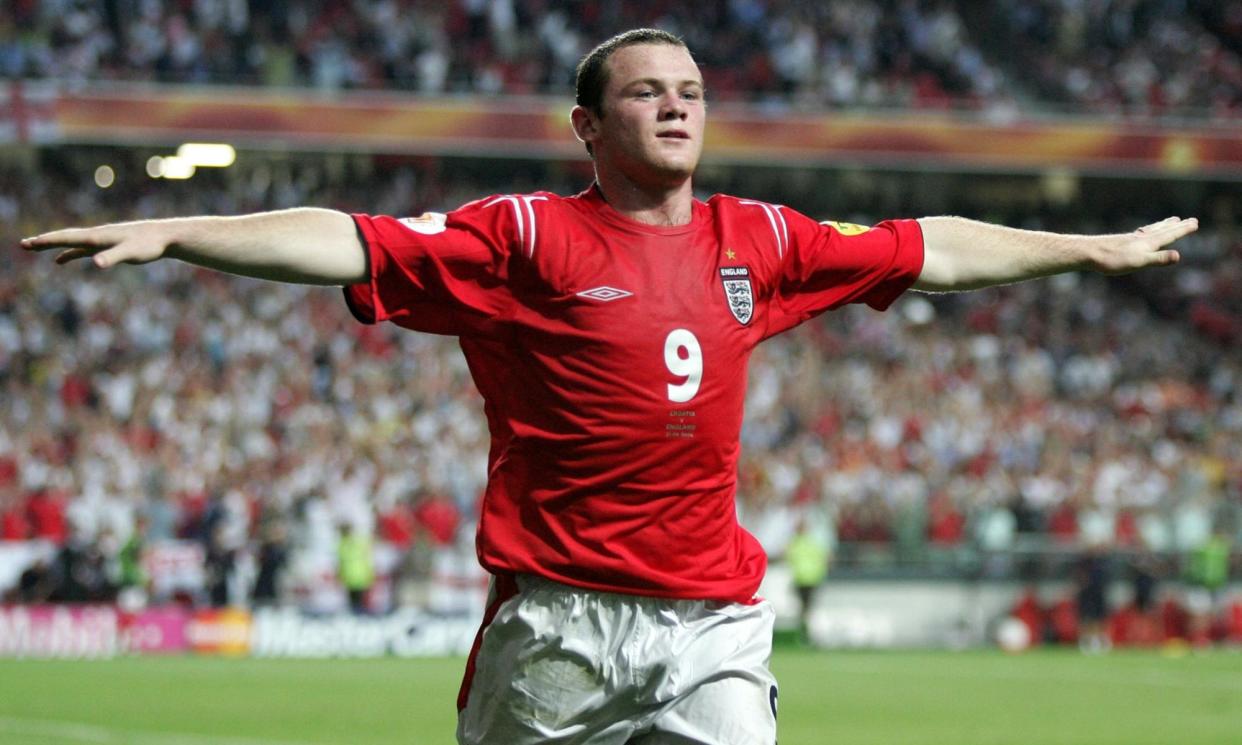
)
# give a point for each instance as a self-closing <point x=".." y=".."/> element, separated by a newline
<point x="960" y="254"/>
<point x="305" y="245"/>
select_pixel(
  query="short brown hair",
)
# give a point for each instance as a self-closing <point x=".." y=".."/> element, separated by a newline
<point x="592" y="74"/>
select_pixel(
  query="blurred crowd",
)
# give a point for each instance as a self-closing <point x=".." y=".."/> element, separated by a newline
<point x="1062" y="410"/>
<point x="1123" y="56"/>
<point x="1134" y="56"/>
<point x="263" y="424"/>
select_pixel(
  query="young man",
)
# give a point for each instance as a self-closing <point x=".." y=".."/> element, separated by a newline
<point x="609" y="333"/>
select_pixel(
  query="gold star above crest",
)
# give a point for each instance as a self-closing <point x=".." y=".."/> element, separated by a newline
<point x="729" y="254"/>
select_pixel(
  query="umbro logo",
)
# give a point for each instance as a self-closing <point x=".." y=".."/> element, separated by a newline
<point x="604" y="294"/>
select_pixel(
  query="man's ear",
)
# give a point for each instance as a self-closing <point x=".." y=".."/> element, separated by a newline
<point x="585" y="124"/>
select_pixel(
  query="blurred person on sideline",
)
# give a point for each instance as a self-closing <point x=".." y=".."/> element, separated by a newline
<point x="1206" y="576"/>
<point x="355" y="565"/>
<point x="273" y="557"/>
<point x="132" y="573"/>
<point x="1146" y="571"/>
<point x="81" y="570"/>
<point x="1092" y="576"/>
<point x="807" y="556"/>
<point x="609" y="334"/>
<point x="36" y="584"/>
<point x="219" y="565"/>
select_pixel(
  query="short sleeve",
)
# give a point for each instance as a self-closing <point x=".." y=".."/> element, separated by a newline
<point x="827" y="265"/>
<point x="440" y="273"/>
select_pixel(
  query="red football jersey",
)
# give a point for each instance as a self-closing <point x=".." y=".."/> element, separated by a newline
<point x="612" y="358"/>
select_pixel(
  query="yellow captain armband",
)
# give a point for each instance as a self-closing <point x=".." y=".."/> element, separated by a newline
<point x="846" y="228"/>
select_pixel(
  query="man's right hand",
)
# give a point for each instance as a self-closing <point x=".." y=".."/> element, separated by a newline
<point x="307" y="245"/>
<point x="107" y="245"/>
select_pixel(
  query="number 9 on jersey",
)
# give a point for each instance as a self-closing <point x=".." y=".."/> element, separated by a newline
<point x="689" y="366"/>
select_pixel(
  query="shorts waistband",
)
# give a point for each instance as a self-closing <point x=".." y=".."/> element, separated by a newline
<point x="529" y="583"/>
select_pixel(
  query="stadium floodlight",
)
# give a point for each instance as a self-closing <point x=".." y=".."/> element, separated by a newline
<point x="155" y="166"/>
<point x="104" y="176"/>
<point x="207" y="155"/>
<point x="175" y="167"/>
<point x="918" y="311"/>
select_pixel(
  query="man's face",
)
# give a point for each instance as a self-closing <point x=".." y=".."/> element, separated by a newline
<point x="653" y="115"/>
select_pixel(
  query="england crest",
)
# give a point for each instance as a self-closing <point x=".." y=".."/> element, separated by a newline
<point x="738" y="292"/>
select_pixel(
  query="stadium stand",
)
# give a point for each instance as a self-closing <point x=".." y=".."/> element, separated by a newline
<point x="1140" y="57"/>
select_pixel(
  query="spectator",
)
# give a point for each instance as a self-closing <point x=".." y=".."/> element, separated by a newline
<point x="273" y="557"/>
<point x="162" y="515"/>
<point x="219" y="565"/>
<point x="46" y="509"/>
<point x="13" y="523"/>
<point x="81" y="571"/>
<point x="438" y="518"/>
<point x="37" y="583"/>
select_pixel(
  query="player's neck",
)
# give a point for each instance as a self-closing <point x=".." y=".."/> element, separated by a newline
<point x="670" y="206"/>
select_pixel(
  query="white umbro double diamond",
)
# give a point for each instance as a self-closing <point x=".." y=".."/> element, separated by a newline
<point x="604" y="294"/>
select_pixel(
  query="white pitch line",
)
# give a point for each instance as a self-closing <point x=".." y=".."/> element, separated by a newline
<point x="80" y="732"/>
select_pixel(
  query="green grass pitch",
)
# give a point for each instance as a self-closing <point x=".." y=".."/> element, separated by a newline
<point x="851" y="698"/>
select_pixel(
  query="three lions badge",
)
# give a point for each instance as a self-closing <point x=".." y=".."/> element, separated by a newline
<point x="738" y="292"/>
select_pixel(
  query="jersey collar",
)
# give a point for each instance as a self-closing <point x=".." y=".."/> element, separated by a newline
<point x="593" y="197"/>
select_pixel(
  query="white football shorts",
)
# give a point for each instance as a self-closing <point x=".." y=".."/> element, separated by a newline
<point x="559" y="664"/>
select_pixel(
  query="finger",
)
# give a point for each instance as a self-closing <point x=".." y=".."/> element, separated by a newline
<point x="64" y="257"/>
<point x="1164" y="258"/>
<point x="1173" y="226"/>
<point x="123" y="253"/>
<point x="68" y="238"/>
<point x="1158" y="225"/>
<point x="1171" y="231"/>
<point x="111" y="257"/>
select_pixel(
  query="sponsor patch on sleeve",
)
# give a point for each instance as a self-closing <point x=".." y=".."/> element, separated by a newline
<point x="428" y="223"/>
